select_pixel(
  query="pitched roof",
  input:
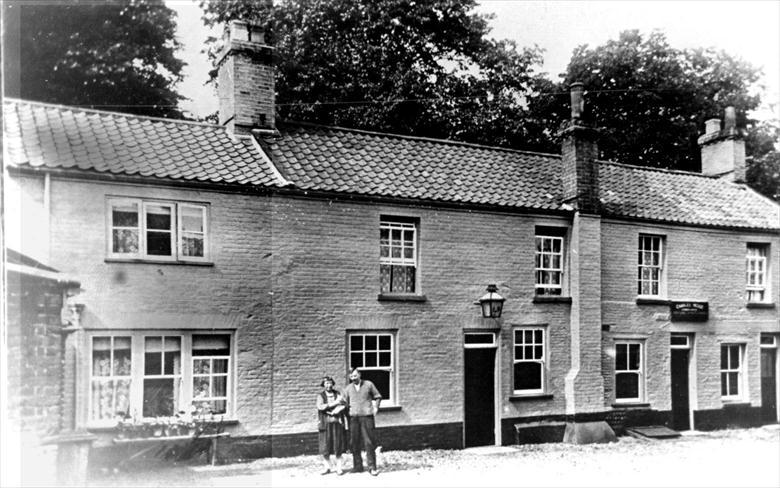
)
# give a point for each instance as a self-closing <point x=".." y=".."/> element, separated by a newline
<point x="44" y="135"/>
<point x="318" y="158"/>
<point x="353" y="161"/>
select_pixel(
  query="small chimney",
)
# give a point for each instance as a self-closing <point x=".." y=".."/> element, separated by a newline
<point x="580" y="172"/>
<point x="723" y="150"/>
<point x="245" y="80"/>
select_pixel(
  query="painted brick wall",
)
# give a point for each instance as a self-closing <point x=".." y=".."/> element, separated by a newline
<point x="705" y="265"/>
<point x="326" y="281"/>
<point x="233" y="293"/>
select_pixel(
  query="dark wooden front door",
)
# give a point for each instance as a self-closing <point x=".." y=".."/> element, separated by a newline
<point x="479" y="409"/>
<point x="680" y="405"/>
<point x="768" y="385"/>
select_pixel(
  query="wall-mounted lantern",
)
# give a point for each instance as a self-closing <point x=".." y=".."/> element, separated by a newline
<point x="492" y="303"/>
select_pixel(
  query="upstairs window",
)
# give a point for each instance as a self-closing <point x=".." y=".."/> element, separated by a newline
<point x="397" y="256"/>
<point x="650" y="266"/>
<point x="756" y="272"/>
<point x="160" y="231"/>
<point x="549" y="260"/>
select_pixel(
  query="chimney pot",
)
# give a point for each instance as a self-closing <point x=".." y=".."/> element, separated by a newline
<point x="577" y="101"/>
<point x="712" y="126"/>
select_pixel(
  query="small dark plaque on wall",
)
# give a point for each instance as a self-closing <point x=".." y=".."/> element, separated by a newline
<point x="689" y="311"/>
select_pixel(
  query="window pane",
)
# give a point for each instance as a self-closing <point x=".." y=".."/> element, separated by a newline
<point x="201" y="366"/>
<point x="124" y="241"/>
<point x="192" y="246"/>
<point x="218" y="407"/>
<point x="633" y="357"/>
<point x="124" y="215"/>
<point x="101" y="356"/>
<point x="159" y="397"/>
<point x="219" y="386"/>
<point x="356" y="360"/>
<point x="724" y="387"/>
<point x="384" y="342"/>
<point x="385" y="274"/>
<point x="621" y="357"/>
<point x="733" y="384"/>
<point x="519" y="353"/>
<point x="384" y="359"/>
<point x="538" y="352"/>
<point x="121" y="356"/>
<point x="110" y="398"/>
<point x="381" y="379"/>
<point x="528" y="336"/>
<point x="356" y="343"/>
<point x="528" y="376"/>
<point x="153" y="361"/>
<point x="734" y="357"/>
<point x="626" y="385"/>
<point x="538" y="336"/>
<point x="371" y="343"/>
<point x="158" y="243"/>
<point x="210" y="345"/>
<point x="158" y="217"/>
<point x="192" y="218"/>
<point x="220" y="366"/>
<point x="201" y="387"/>
<point x="724" y="355"/>
<point x="370" y="360"/>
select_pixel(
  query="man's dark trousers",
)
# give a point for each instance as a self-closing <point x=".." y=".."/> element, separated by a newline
<point x="362" y="435"/>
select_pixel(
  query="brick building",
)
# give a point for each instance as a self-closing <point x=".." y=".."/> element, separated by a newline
<point x="230" y="266"/>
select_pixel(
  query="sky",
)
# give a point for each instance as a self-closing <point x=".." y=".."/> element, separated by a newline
<point x="748" y="29"/>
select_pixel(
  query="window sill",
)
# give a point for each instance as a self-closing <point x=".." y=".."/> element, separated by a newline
<point x="390" y="408"/>
<point x="551" y="299"/>
<point x="530" y="397"/>
<point x="652" y="301"/>
<point x="637" y="405"/>
<point x="114" y="427"/>
<point x="155" y="261"/>
<point x="760" y="305"/>
<point x="400" y="297"/>
<point x="735" y="403"/>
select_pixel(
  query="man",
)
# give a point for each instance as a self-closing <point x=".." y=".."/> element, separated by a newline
<point x="362" y="398"/>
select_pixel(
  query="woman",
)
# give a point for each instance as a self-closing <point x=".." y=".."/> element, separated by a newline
<point x="330" y="410"/>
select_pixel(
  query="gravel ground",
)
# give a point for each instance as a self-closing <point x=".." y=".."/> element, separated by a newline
<point x="743" y="457"/>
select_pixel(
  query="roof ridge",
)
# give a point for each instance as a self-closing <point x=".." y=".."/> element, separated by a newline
<point x="109" y="112"/>
<point x="418" y="138"/>
<point x="660" y="170"/>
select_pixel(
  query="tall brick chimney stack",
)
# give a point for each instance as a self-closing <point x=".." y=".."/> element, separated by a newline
<point x="723" y="150"/>
<point x="245" y="80"/>
<point x="579" y="151"/>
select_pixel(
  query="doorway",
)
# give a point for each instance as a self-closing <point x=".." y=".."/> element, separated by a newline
<point x="769" y="379"/>
<point x="479" y="390"/>
<point x="681" y="410"/>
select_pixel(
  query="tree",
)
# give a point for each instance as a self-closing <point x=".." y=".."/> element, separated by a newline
<point x="118" y="55"/>
<point x="650" y="100"/>
<point x="403" y="66"/>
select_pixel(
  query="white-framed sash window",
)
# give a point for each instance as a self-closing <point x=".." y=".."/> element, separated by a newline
<point x="397" y="256"/>
<point x="756" y="264"/>
<point x="373" y="353"/>
<point x="153" y="230"/>
<point x="650" y="266"/>
<point x="529" y="360"/>
<point x="629" y="371"/>
<point x="732" y="371"/>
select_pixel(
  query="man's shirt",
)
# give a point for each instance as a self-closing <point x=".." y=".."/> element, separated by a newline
<point x="359" y="399"/>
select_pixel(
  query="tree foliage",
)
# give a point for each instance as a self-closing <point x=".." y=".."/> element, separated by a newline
<point x="427" y="68"/>
<point x="118" y="55"/>
<point x="650" y="100"/>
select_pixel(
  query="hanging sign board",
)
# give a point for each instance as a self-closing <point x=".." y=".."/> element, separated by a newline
<point x="689" y="311"/>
